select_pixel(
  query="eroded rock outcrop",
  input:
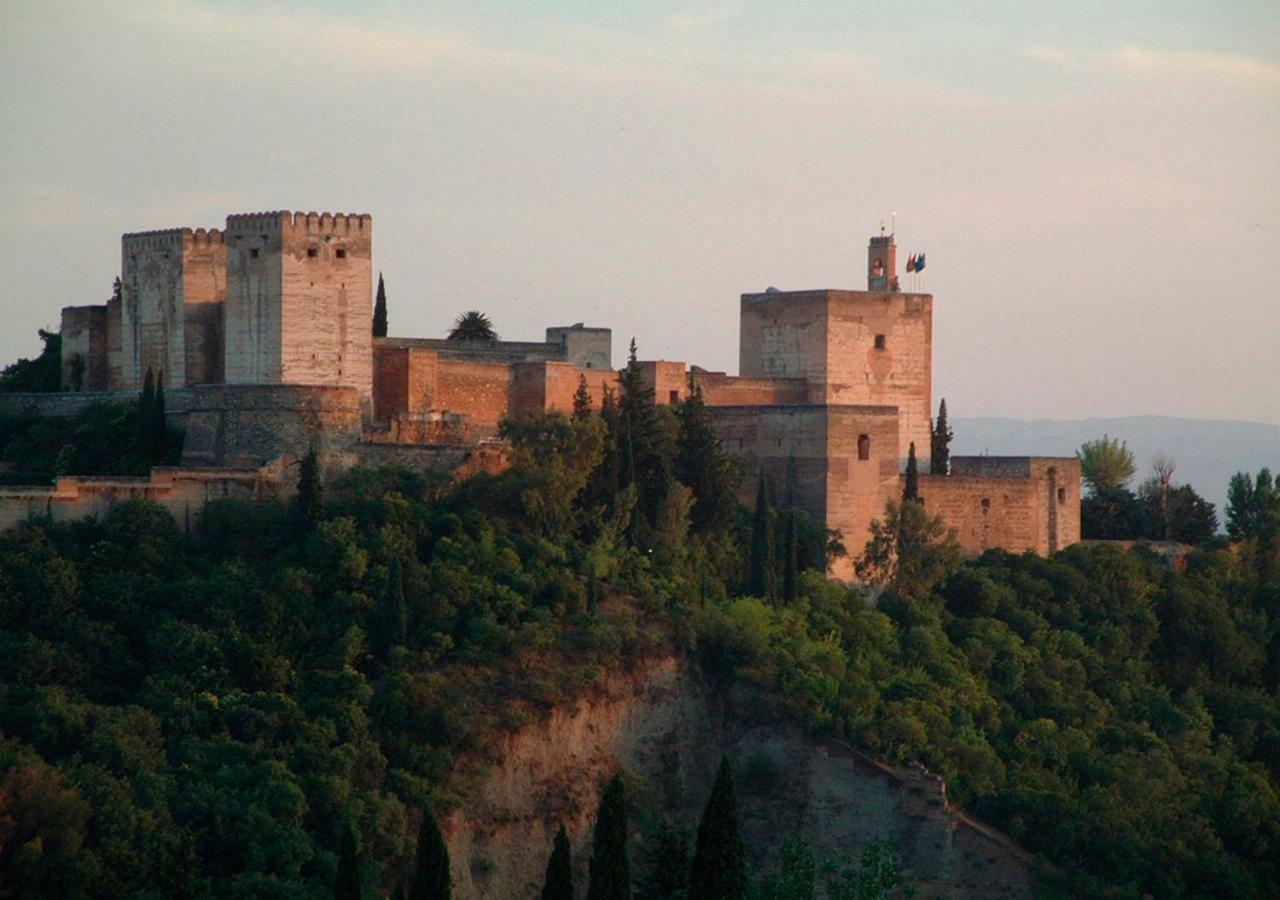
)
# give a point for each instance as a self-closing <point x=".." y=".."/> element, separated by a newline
<point x="667" y="729"/>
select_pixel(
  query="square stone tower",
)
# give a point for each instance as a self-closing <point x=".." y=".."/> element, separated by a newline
<point x="858" y="348"/>
<point x="299" y="305"/>
<point x="168" y="277"/>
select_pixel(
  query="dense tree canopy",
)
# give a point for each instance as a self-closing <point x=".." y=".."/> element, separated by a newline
<point x="205" y="716"/>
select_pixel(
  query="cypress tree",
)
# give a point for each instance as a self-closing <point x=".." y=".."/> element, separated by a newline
<point x="394" y="622"/>
<point x="310" y="491"/>
<point x="911" y="490"/>
<point x="702" y="465"/>
<point x="790" y="560"/>
<point x="581" y="399"/>
<point x="610" y="869"/>
<point x="347" y="886"/>
<point x="760" y="565"/>
<point x="144" y="433"/>
<point x="159" y="430"/>
<point x="940" y="443"/>
<point x="431" y="878"/>
<point x="719" y="870"/>
<point x="380" y="310"/>
<point x="559" y="881"/>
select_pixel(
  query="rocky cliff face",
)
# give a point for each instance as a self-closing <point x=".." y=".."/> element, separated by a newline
<point x="667" y="730"/>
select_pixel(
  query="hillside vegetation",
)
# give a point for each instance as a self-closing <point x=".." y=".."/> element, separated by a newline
<point x="209" y="716"/>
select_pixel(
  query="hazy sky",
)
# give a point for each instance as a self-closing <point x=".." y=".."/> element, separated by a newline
<point x="1097" y="188"/>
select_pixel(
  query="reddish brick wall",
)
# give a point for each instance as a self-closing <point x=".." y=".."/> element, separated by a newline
<point x="668" y="380"/>
<point x="857" y="489"/>
<point x="481" y="391"/>
<point x="719" y="389"/>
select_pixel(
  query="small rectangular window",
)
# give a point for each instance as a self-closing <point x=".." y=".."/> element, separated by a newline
<point x="254" y="252"/>
<point x="342" y="253"/>
<point x="879" y="341"/>
<point x="675" y="396"/>
<point x="313" y="252"/>
<point x="1062" y="495"/>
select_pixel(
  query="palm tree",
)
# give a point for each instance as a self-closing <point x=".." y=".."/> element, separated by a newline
<point x="472" y="326"/>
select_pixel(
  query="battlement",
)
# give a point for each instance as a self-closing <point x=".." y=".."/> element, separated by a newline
<point x="882" y="240"/>
<point x="286" y="222"/>
<point x="201" y="237"/>
<point x="171" y="239"/>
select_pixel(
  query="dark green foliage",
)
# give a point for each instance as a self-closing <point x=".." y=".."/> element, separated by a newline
<point x="909" y="550"/>
<point x="558" y="884"/>
<point x="581" y="399"/>
<point x="877" y="876"/>
<point x="41" y="375"/>
<point x="666" y="865"/>
<point x="761" y="573"/>
<point x="790" y="559"/>
<point x="719" y="868"/>
<point x="310" y="498"/>
<point x="940" y="443"/>
<point x="703" y="466"/>
<point x="472" y="326"/>
<point x="380" y="310"/>
<point x="1109" y="514"/>
<point x="102" y="439"/>
<point x="911" y="487"/>
<point x="610" y="867"/>
<point x="1105" y="464"/>
<point x="347" y="886"/>
<point x="645" y="445"/>
<point x="431" y="878"/>
<point x="1253" y="506"/>
<point x="395" y="616"/>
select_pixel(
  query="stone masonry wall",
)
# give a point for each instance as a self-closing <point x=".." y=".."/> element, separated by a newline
<point x="182" y="492"/>
<point x="1015" y="503"/>
<point x="84" y="344"/>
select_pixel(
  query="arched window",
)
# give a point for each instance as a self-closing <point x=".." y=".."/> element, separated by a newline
<point x="864" y="447"/>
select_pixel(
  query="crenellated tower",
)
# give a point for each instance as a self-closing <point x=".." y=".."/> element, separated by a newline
<point x="300" y="299"/>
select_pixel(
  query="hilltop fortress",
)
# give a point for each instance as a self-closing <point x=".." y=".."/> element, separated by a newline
<point x="263" y="333"/>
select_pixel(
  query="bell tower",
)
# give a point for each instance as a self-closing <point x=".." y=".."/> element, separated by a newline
<point x="882" y="263"/>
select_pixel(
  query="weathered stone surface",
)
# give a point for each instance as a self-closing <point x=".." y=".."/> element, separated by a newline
<point x="667" y="731"/>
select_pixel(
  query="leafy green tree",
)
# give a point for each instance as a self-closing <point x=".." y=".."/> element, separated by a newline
<point x="877" y="876"/>
<point x="310" y="499"/>
<point x="472" y="326"/>
<point x="380" y="310"/>
<point x="1111" y="514"/>
<point x="1253" y="505"/>
<point x="940" y="443"/>
<point x="909" y="549"/>
<point x="797" y="879"/>
<point x="40" y="375"/>
<point x="719" y="869"/>
<point x="1105" y="464"/>
<point x="1175" y="513"/>
<point x="644" y="445"/>
<point x="558" y="884"/>
<point x="911" y="489"/>
<point x="761" y="574"/>
<point x="431" y="877"/>
<point x="610" y="867"/>
<point x="705" y="468"/>
<point x="348" y="885"/>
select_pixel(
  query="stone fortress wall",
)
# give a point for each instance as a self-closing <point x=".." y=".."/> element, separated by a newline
<point x="263" y="334"/>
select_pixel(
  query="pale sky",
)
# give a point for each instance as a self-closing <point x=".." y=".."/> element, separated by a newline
<point x="1097" y="186"/>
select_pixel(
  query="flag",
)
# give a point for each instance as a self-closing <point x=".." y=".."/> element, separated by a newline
<point x="911" y="263"/>
<point x="920" y="263"/>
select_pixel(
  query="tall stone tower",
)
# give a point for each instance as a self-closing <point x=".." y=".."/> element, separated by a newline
<point x="882" y="263"/>
<point x="300" y="300"/>
<point x="168" y="278"/>
<point x="854" y="348"/>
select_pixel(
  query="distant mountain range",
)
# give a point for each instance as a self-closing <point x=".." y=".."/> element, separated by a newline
<point x="1207" y="452"/>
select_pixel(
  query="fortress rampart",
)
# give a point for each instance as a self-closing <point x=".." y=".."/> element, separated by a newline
<point x="262" y="332"/>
